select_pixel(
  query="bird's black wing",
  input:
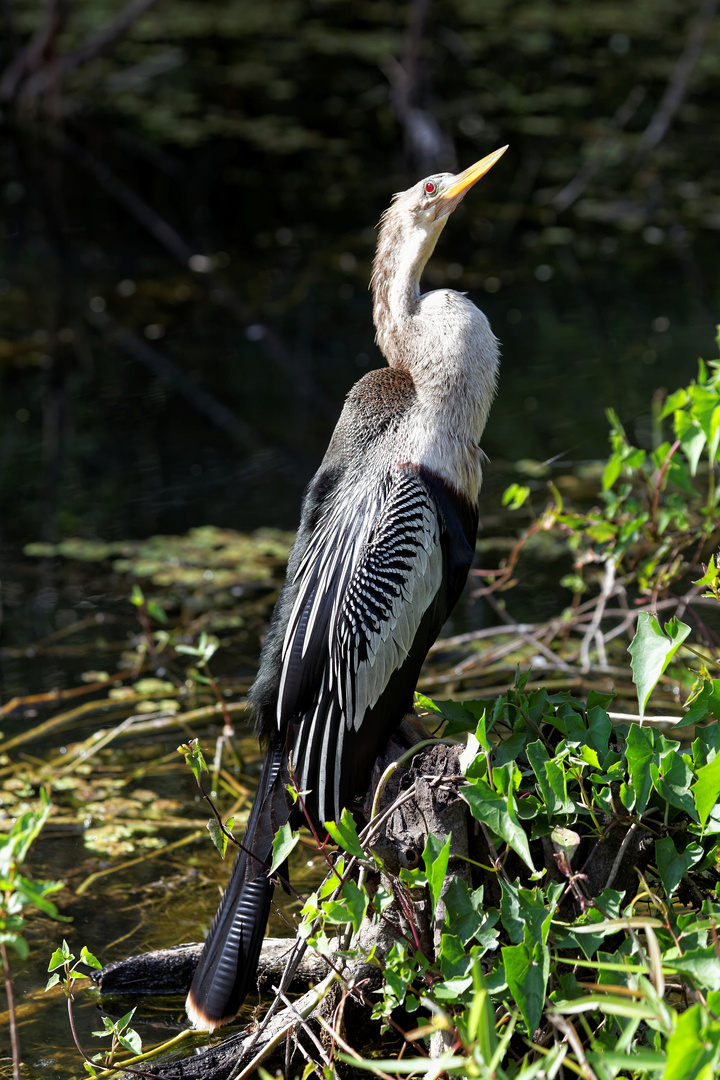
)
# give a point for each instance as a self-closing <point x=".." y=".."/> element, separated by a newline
<point x="365" y="589"/>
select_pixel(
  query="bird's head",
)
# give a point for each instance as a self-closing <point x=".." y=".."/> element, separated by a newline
<point x="429" y="202"/>
<point x="409" y="231"/>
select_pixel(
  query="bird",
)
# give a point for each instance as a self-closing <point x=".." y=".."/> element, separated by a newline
<point x="386" y="538"/>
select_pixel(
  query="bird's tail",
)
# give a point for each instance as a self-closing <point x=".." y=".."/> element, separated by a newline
<point x="228" y="963"/>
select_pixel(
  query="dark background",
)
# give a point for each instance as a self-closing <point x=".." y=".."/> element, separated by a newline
<point x="189" y="192"/>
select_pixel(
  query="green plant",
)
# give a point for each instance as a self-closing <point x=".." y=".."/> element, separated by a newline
<point x="65" y="968"/>
<point x="18" y="894"/>
<point x="624" y="981"/>
<point x="654" y="528"/>
<point x="653" y="510"/>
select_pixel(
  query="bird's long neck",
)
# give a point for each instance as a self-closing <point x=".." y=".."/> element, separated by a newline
<point x="439" y="338"/>
<point x="400" y="259"/>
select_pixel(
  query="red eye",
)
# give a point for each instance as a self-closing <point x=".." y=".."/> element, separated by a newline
<point x="429" y="188"/>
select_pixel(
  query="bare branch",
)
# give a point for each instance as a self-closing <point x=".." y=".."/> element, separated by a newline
<point x="99" y="41"/>
<point x="605" y="594"/>
<point x="49" y="75"/>
<point x="599" y="153"/>
<point x="677" y="86"/>
<point x="33" y="52"/>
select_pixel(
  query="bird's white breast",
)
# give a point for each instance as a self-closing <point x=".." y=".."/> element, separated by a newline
<point x="455" y="371"/>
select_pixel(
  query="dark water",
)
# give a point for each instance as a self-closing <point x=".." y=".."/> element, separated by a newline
<point x="139" y="396"/>
<point x="182" y="315"/>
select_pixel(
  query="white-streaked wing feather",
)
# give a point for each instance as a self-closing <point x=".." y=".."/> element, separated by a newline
<point x="370" y="572"/>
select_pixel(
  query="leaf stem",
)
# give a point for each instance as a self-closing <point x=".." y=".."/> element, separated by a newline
<point x="14" y="1037"/>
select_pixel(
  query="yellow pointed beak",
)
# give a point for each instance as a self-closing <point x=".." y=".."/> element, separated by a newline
<point x="461" y="184"/>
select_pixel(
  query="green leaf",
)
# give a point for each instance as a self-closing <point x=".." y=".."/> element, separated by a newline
<point x="692" y="438"/>
<point x="345" y="834"/>
<point x="52" y="981"/>
<point x="13" y="939"/>
<point x="599" y="729"/>
<point x="673" y="402"/>
<point x="218" y="836"/>
<point x="551" y="778"/>
<point x="672" y="781"/>
<point x="156" y="611"/>
<point x="123" y="1022"/>
<point x="706" y="705"/>
<point x="706" y="788"/>
<point x="498" y="814"/>
<point x="61" y="957"/>
<point x="29" y="893"/>
<point x="428" y="1069"/>
<point x="284" y="841"/>
<point x="671" y="866"/>
<point x="15" y="846"/>
<point x="701" y="965"/>
<point x="457" y="714"/>
<point x="436" y="856"/>
<point x="108" y="1028"/>
<point x="463" y="909"/>
<point x="131" y="1041"/>
<point x="194" y="758"/>
<point x="356" y="900"/>
<point x="652" y="650"/>
<point x="472" y="762"/>
<point x="87" y="958"/>
<point x="611" y="1005"/>
<point x="527" y="968"/>
<point x="452" y="957"/>
<point x="336" y="912"/>
<point x="612" y="471"/>
<point x="640" y="752"/>
<point x="481" y="1024"/>
<point x="515" y="496"/>
<point x="566" y="841"/>
<point x="714" y="433"/>
<point x="692" y="1050"/>
<point x="510" y="915"/>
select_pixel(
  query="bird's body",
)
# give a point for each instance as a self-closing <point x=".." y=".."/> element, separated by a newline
<point x="386" y="538"/>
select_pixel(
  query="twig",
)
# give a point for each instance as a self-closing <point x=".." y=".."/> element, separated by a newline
<point x="531" y="639"/>
<point x="349" y="1050"/>
<point x="598" y="155"/>
<point x="95" y="44"/>
<point x="619" y="857"/>
<point x="284" y="1024"/>
<point x="605" y="593"/>
<point x="30" y="55"/>
<point x="52" y="696"/>
<point x="495" y="858"/>
<point x="426" y="144"/>
<point x="677" y="86"/>
<point x="120" y="1067"/>
<point x="12" y="1019"/>
<point x="571" y="1036"/>
<point x="658" y="483"/>
<point x="479" y="635"/>
<point x="302" y="1023"/>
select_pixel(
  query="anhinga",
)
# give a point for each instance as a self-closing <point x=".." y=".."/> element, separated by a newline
<point x="386" y="538"/>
